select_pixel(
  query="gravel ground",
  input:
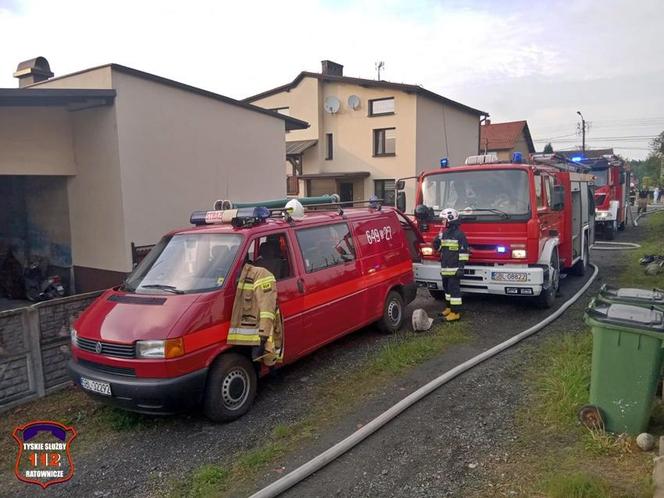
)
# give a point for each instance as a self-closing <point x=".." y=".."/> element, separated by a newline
<point x="430" y="450"/>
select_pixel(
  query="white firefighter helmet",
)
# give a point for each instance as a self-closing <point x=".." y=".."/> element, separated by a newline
<point x="295" y="209"/>
<point x="421" y="320"/>
<point x="450" y="214"/>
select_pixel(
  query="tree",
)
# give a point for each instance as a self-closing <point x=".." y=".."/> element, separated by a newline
<point x="658" y="145"/>
<point x="548" y="148"/>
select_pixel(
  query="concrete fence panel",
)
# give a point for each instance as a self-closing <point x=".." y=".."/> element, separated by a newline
<point x="34" y="348"/>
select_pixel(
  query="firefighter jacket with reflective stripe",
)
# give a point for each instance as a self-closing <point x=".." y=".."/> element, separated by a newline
<point x="256" y="313"/>
<point x="454" y="251"/>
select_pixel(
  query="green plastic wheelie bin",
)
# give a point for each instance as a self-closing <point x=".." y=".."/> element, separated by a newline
<point x="637" y="297"/>
<point x="626" y="363"/>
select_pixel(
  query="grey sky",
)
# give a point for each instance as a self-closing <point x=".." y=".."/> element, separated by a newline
<point x="540" y="61"/>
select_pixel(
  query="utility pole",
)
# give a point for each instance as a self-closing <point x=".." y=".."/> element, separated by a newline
<point x="583" y="131"/>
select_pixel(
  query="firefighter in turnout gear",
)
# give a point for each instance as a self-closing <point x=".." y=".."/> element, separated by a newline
<point x="454" y="252"/>
<point x="256" y="320"/>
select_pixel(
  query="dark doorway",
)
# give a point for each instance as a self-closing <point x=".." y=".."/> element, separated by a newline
<point x="346" y="193"/>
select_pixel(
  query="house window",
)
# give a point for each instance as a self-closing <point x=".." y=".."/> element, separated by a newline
<point x="329" y="146"/>
<point x="381" y="107"/>
<point x="384" y="189"/>
<point x="384" y="142"/>
<point x="282" y="110"/>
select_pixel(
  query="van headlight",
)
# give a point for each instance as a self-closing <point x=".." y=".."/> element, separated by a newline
<point x="168" y="348"/>
<point x="519" y="254"/>
<point x="73" y="335"/>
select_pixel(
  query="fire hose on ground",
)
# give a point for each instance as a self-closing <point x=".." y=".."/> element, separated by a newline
<point x="331" y="454"/>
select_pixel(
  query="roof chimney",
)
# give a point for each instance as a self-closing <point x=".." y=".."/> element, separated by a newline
<point x="32" y="71"/>
<point x="330" y="68"/>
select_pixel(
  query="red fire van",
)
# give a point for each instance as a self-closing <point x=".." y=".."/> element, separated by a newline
<point x="157" y="344"/>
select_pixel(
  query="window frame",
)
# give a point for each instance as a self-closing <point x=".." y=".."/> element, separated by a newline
<point x="375" y="134"/>
<point x="329" y="146"/>
<point x="319" y="227"/>
<point x="372" y="114"/>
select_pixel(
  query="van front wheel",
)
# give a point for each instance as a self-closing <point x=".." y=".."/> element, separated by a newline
<point x="230" y="389"/>
<point x="393" y="312"/>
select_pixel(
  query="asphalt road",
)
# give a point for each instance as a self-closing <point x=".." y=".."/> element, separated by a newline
<point x="428" y="451"/>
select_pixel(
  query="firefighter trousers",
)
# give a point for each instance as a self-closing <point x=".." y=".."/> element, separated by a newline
<point x="452" y="287"/>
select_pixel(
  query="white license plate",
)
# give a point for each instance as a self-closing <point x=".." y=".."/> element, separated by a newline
<point x="96" y="387"/>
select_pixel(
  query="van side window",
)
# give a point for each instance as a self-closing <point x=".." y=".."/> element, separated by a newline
<point x="271" y="252"/>
<point x="548" y="184"/>
<point x="325" y="246"/>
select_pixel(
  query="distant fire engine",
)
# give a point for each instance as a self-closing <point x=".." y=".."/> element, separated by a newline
<point x="525" y="223"/>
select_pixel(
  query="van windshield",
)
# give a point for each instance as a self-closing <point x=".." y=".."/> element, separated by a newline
<point x="185" y="263"/>
<point x="487" y="193"/>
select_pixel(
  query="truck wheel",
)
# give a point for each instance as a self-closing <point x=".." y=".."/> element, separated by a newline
<point x="392" y="313"/>
<point x="437" y="294"/>
<point x="547" y="297"/>
<point x="230" y="389"/>
<point x="581" y="267"/>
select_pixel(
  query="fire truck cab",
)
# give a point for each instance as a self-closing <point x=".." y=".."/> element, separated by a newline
<point x="158" y="343"/>
<point x="525" y="223"/>
<point x="612" y="182"/>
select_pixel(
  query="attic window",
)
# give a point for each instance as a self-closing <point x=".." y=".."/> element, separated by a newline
<point x="381" y="107"/>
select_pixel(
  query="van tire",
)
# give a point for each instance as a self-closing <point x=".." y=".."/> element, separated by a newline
<point x="393" y="313"/>
<point x="230" y="389"/>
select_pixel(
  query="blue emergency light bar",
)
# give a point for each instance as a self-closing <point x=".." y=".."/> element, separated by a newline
<point x="517" y="157"/>
<point x="444" y="162"/>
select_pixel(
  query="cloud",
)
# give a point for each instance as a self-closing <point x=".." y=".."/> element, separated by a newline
<point x="516" y="58"/>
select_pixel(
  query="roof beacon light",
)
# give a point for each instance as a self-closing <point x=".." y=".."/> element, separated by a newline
<point x="215" y="217"/>
<point x="444" y="162"/>
<point x="577" y="159"/>
<point x="517" y="157"/>
<point x="501" y="249"/>
<point x="247" y="217"/>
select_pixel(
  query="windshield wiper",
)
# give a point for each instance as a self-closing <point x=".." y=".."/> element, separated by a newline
<point x="167" y="288"/>
<point x="490" y="210"/>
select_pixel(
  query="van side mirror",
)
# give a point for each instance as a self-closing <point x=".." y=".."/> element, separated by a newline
<point x="558" y="198"/>
<point x="401" y="201"/>
<point x="400" y="185"/>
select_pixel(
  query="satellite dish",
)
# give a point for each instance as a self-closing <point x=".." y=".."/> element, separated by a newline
<point x="354" y="102"/>
<point x="331" y="105"/>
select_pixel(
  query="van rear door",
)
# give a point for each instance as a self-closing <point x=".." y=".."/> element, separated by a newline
<point x="413" y="237"/>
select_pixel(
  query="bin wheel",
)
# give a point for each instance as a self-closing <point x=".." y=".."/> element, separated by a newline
<point x="591" y="417"/>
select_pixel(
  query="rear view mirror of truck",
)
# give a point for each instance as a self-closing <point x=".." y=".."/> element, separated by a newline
<point x="401" y="201"/>
<point x="400" y="185"/>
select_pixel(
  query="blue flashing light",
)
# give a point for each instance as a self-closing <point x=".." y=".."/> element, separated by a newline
<point x="444" y="162"/>
<point x="517" y="157"/>
<point x="373" y="202"/>
<point x="577" y="159"/>
<point x="501" y="249"/>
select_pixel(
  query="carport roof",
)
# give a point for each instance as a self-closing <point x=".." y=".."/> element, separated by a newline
<point x="58" y="97"/>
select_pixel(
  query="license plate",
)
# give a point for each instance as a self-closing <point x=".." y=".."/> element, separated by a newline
<point x="96" y="386"/>
<point x="509" y="277"/>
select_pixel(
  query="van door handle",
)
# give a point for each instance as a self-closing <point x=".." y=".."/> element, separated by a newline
<point x="300" y="285"/>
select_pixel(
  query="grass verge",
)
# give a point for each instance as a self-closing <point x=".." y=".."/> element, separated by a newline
<point x="333" y="399"/>
<point x="554" y="456"/>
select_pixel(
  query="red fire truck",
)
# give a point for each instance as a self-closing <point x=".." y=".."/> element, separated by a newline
<point x="612" y="180"/>
<point x="524" y="223"/>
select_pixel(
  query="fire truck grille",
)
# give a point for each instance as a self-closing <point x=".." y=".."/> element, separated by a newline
<point x="106" y="348"/>
<point x="129" y="372"/>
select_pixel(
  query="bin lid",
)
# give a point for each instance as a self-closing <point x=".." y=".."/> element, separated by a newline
<point x="654" y="296"/>
<point x="627" y="316"/>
